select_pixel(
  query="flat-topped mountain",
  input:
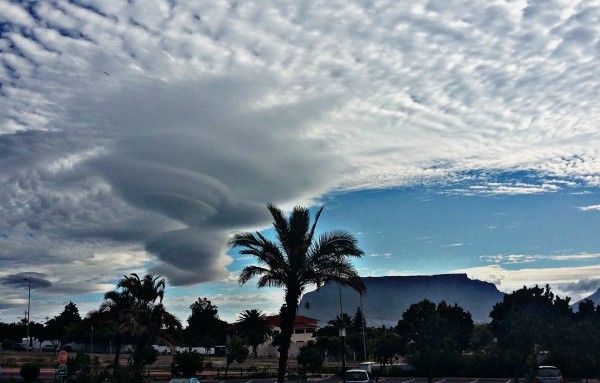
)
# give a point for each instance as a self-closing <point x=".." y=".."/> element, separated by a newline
<point x="388" y="297"/>
<point x="595" y="297"/>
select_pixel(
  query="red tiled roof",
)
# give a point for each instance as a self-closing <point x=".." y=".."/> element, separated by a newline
<point x="275" y="321"/>
<point x="299" y="321"/>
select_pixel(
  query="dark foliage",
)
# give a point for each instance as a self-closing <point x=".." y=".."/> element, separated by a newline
<point x="29" y="372"/>
<point x="187" y="363"/>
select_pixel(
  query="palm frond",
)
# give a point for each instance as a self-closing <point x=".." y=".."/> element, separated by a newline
<point x="299" y="227"/>
<point x="280" y="223"/>
<point x="311" y="235"/>
<point x="336" y="244"/>
<point x="271" y="280"/>
<point x="250" y="272"/>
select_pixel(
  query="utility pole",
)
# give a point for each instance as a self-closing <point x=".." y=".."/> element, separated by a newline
<point x="362" y="312"/>
<point x="342" y="333"/>
<point x="29" y="343"/>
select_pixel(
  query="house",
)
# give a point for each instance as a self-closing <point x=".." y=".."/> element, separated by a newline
<point x="304" y="328"/>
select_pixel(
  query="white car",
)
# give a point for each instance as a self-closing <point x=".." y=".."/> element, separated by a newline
<point x="357" y="376"/>
<point x="548" y="374"/>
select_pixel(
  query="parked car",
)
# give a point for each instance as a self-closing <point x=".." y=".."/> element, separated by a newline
<point x="357" y="376"/>
<point x="48" y="348"/>
<point x="548" y="374"/>
<point x="18" y="347"/>
<point x="184" y="380"/>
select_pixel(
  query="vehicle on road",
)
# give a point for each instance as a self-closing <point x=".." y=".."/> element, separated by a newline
<point x="19" y="347"/>
<point x="48" y="348"/>
<point x="548" y="374"/>
<point x="184" y="380"/>
<point x="357" y="376"/>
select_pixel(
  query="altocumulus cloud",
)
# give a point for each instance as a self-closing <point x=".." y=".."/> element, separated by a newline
<point x="140" y="135"/>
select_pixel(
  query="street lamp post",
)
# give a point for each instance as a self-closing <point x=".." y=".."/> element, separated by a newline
<point x="29" y="344"/>
<point x="342" y="333"/>
<point x="362" y="314"/>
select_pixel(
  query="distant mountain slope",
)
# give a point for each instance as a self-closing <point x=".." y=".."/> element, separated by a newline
<point x="595" y="297"/>
<point x="388" y="297"/>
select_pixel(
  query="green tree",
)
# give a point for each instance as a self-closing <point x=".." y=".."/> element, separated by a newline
<point x="187" y="363"/>
<point x="576" y="346"/>
<point x="341" y="320"/>
<point x="252" y="325"/>
<point x="148" y="320"/>
<point x="295" y="261"/>
<point x="204" y="326"/>
<point x="63" y="326"/>
<point x="434" y="337"/>
<point x="83" y="369"/>
<point x="310" y="358"/>
<point x="525" y="323"/>
<point x="334" y="344"/>
<point x="7" y="344"/>
<point x="29" y="372"/>
<point x="359" y="322"/>
<point x="119" y="304"/>
<point x="386" y="348"/>
<point x="237" y="351"/>
<point x="329" y="344"/>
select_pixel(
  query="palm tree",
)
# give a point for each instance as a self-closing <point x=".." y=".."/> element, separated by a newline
<point x="252" y="325"/>
<point x="146" y="319"/>
<point x="298" y="260"/>
<point x="118" y="304"/>
<point x="341" y="320"/>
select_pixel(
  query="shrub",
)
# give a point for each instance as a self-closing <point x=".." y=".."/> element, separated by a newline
<point x="7" y="344"/>
<point x="29" y="372"/>
<point x="187" y="363"/>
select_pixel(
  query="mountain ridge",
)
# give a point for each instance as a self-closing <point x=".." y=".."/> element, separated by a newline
<point x="389" y="296"/>
<point x="595" y="297"/>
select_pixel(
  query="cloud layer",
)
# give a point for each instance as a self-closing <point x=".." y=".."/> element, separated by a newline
<point x="140" y="135"/>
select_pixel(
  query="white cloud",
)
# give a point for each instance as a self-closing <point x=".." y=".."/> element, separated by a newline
<point x="211" y="109"/>
<point x="560" y="280"/>
<point x="529" y="258"/>
<point x="591" y="207"/>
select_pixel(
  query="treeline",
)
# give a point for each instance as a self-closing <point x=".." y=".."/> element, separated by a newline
<point x="530" y="326"/>
<point x="204" y="328"/>
<point x="132" y="314"/>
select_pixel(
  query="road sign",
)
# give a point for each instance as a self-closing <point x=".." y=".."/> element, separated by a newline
<point x="62" y="370"/>
<point x="62" y="357"/>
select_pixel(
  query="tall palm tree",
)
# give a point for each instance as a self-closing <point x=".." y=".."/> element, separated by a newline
<point x="146" y="290"/>
<point x="252" y="325"/>
<point x="298" y="260"/>
<point x="146" y="319"/>
<point x="119" y="305"/>
<point x="341" y="320"/>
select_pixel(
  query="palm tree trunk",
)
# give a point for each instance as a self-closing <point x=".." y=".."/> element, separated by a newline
<point x="138" y="359"/>
<point x="118" y="340"/>
<point x="288" y="314"/>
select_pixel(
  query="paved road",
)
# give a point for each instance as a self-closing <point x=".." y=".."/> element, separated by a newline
<point x="48" y="374"/>
<point x="382" y="380"/>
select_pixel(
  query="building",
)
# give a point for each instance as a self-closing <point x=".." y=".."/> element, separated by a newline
<point x="304" y="328"/>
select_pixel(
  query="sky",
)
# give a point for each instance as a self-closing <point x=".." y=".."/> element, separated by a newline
<point x="448" y="136"/>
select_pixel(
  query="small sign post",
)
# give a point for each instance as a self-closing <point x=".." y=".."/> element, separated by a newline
<point x="62" y="370"/>
<point x="62" y="365"/>
<point x="62" y="357"/>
